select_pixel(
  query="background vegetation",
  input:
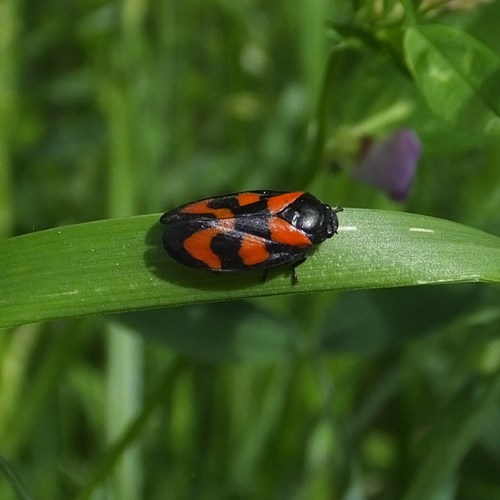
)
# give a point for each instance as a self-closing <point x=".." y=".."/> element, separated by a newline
<point x="112" y="109"/>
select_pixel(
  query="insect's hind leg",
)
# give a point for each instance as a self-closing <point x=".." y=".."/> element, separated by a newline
<point x="264" y="275"/>
<point x="294" y="278"/>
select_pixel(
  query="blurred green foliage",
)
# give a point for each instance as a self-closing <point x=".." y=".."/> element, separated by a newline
<point x="109" y="109"/>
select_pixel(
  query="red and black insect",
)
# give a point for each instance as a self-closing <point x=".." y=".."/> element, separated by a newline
<point x="253" y="230"/>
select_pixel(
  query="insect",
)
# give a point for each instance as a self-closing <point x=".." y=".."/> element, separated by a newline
<point x="252" y="230"/>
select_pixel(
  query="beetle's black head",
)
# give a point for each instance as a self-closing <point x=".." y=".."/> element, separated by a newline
<point x="317" y="220"/>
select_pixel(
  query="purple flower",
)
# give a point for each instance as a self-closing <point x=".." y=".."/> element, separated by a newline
<point x="390" y="163"/>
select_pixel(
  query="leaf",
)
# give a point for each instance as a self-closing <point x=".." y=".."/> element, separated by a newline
<point x="458" y="76"/>
<point x="120" y="265"/>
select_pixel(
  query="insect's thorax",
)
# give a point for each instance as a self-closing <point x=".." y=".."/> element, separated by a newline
<point x="315" y="219"/>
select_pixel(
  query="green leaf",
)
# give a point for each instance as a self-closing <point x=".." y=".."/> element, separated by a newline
<point x="120" y="265"/>
<point x="458" y="76"/>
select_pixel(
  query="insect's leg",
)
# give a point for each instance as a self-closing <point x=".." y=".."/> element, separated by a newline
<point x="295" y="280"/>
<point x="264" y="276"/>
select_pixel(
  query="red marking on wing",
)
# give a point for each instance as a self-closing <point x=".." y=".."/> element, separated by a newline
<point x="248" y="198"/>
<point x="253" y="250"/>
<point x="277" y="203"/>
<point x="201" y="207"/>
<point x="284" y="232"/>
<point x="198" y="246"/>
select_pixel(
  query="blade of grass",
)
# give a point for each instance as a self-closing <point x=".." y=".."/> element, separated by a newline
<point x="9" y="62"/>
<point x="13" y="480"/>
<point x="119" y="265"/>
<point x="135" y="426"/>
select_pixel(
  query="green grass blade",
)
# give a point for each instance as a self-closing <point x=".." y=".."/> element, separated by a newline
<point x="13" y="480"/>
<point x="119" y="265"/>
